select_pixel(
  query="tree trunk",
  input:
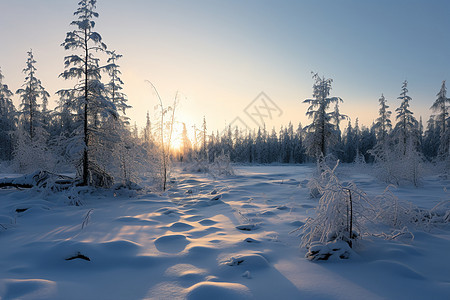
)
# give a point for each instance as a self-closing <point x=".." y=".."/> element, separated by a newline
<point x="85" y="127"/>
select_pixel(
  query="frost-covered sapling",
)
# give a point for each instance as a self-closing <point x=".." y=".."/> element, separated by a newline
<point x="165" y="132"/>
<point x="337" y="223"/>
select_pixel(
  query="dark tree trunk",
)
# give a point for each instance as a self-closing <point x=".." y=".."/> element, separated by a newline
<point x="85" y="127"/>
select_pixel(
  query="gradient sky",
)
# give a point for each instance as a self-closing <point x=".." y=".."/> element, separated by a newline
<point x="221" y="54"/>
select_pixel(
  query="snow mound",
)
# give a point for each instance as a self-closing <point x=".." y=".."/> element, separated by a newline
<point x="218" y="291"/>
<point x="207" y="222"/>
<point x="250" y="261"/>
<point x="171" y="243"/>
<point x="250" y="240"/>
<point x="185" y="271"/>
<point x="204" y="202"/>
<point x="180" y="226"/>
<point x="27" y="289"/>
<point x="200" y="252"/>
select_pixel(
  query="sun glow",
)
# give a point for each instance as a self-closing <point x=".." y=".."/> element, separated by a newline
<point x="176" y="142"/>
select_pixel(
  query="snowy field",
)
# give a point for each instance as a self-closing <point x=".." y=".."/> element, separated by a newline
<point x="206" y="238"/>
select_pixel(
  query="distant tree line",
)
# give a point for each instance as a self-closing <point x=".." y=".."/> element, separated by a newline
<point x="324" y="136"/>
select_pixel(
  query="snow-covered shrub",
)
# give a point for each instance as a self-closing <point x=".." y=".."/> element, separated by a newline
<point x="33" y="154"/>
<point x="325" y="166"/>
<point x="440" y="214"/>
<point x="402" y="216"/>
<point x="338" y="214"/>
<point x="442" y="166"/>
<point x="76" y="194"/>
<point x="397" y="167"/>
<point x="384" y="167"/>
<point x="390" y="210"/>
<point x="359" y="160"/>
<point x="345" y="213"/>
<point x="197" y="166"/>
<point x="221" y="166"/>
<point x="126" y="160"/>
<point x="156" y="168"/>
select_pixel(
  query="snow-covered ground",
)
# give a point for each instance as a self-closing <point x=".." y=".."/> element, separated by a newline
<point x="206" y="238"/>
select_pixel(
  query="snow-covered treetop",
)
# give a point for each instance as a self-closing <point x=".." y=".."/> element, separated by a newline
<point x="115" y="84"/>
<point x="321" y="90"/>
<point x="322" y="130"/>
<point x="440" y="104"/>
<point x="5" y="93"/>
<point x="403" y="111"/>
<point x="85" y="25"/>
<point x="320" y="103"/>
<point x="383" y="123"/>
<point x="30" y="68"/>
<point x="31" y="91"/>
<point x="383" y="106"/>
<point x="32" y="87"/>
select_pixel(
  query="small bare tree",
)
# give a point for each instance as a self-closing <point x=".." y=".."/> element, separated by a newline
<point x="166" y="131"/>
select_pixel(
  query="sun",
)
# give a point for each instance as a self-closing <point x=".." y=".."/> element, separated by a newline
<point x="176" y="142"/>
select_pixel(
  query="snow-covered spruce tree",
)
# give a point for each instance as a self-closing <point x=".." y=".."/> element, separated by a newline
<point x="115" y="84"/>
<point x="321" y="132"/>
<point x="128" y="154"/>
<point x="382" y="152"/>
<point x="226" y="142"/>
<point x="367" y="141"/>
<point x="63" y="125"/>
<point x="31" y="91"/>
<point x="401" y="160"/>
<point x="337" y="117"/>
<point x="259" y="147"/>
<point x="32" y="151"/>
<point x="430" y="145"/>
<point x="407" y="138"/>
<point x="349" y="144"/>
<point x="440" y="106"/>
<point x="406" y="130"/>
<point x="89" y="100"/>
<point x="239" y="148"/>
<point x="383" y="124"/>
<point x="8" y="121"/>
<point x="186" y="145"/>
<point x="148" y="135"/>
<point x="298" y="154"/>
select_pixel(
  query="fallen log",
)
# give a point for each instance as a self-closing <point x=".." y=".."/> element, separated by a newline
<point x="38" y="179"/>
